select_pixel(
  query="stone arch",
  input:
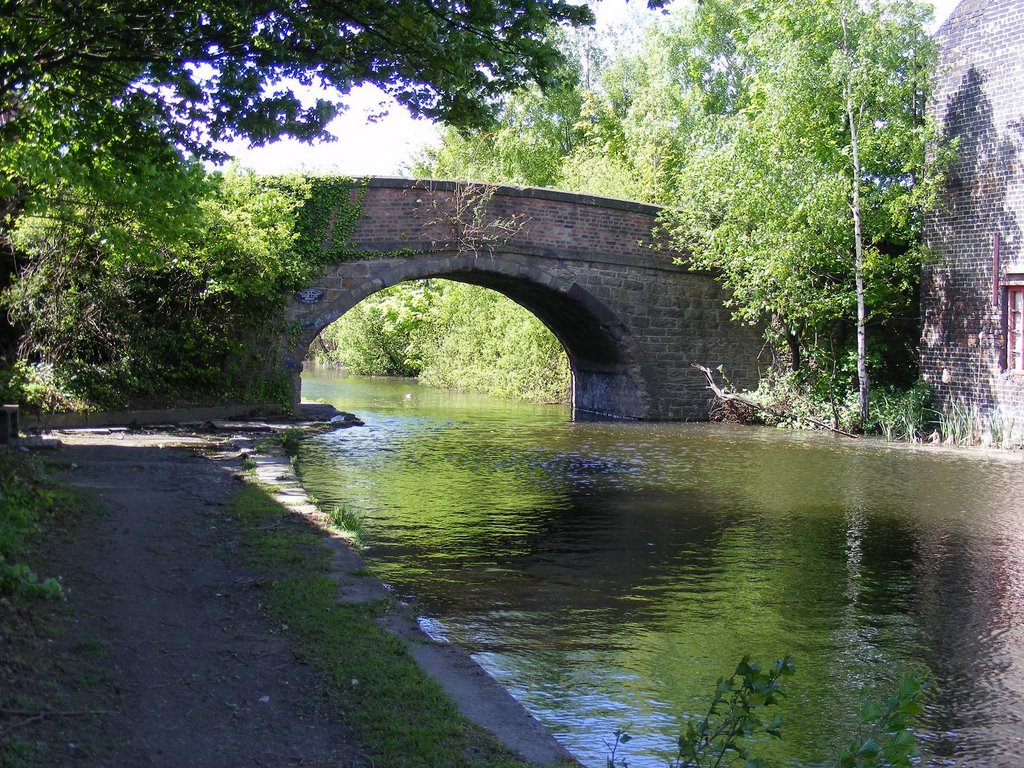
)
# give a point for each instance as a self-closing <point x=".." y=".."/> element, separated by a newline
<point x="606" y="379"/>
<point x="630" y="312"/>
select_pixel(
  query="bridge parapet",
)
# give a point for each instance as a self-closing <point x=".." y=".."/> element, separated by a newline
<point x="427" y="216"/>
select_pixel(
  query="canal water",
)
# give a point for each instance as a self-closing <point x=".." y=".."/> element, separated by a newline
<point x="608" y="573"/>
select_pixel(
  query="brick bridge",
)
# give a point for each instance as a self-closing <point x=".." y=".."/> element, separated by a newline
<point x="631" y="321"/>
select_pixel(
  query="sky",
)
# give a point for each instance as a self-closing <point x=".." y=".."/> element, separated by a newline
<point x="388" y="145"/>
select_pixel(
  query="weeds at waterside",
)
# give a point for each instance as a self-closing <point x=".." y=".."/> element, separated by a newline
<point x="290" y="439"/>
<point x="347" y="523"/>
<point x="403" y="719"/>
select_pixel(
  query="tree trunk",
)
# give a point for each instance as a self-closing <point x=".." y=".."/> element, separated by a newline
<point x="863" y="382"/>
<point x="795" y="357"/>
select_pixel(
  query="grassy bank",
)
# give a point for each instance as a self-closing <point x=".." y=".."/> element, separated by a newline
<point x="403" y="719"/>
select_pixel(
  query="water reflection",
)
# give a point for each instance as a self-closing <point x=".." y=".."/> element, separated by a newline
<point x="608" y="573"/>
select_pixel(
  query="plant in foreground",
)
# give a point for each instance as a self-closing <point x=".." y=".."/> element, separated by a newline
<point x="886" y="738"/>
<point x="26" y="506"/>
<point x="621" y="737"/>
<point x="720" y="738"/>
<point x="735" y="714"/>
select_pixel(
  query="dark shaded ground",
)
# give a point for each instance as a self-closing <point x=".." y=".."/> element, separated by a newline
<point x="162" y="656"/>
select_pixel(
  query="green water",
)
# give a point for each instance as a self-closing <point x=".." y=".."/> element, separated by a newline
<point x="608" y="573"/>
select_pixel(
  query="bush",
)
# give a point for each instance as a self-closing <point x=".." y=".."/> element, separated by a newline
<point x="190" y="324"/>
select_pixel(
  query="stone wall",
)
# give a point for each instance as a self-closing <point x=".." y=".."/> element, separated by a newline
<point x="632" y="321"/>
<point x="980" y="101"/>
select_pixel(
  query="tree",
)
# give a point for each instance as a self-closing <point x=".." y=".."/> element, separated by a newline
<point x="808" y="190"/>
<point x="108" y="107"/>
<point x="614" y="128"/>
<point x="206" y="71"/>
<point x="191" y="326"/>
<point x="533" y="131"/>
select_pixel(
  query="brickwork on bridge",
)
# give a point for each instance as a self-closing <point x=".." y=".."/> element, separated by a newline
<point x="632" y="321"/>
<point x="976" y="237"/>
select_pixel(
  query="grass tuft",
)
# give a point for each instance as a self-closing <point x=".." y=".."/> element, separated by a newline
<point x="348" y="523"/>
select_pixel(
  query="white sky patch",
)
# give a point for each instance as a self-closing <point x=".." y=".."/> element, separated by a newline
<point x="388" y="146"/>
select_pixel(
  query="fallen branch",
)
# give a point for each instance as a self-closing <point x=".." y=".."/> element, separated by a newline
<point x="732" y="397"/>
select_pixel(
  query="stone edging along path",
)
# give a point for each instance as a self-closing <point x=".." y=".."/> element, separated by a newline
<point x="481" y="698"/>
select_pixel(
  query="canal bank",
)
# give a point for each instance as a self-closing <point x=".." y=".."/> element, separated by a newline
<point x="167" y="616"/>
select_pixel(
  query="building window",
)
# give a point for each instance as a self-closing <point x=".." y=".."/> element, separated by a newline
<point x="1015" y="328"/>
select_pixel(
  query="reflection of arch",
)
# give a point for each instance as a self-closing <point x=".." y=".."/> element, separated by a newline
<point x="595" y="340"/>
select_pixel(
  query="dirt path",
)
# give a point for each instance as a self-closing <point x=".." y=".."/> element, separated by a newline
<point x="192" y="673"/>
<point x="158" y="588"/>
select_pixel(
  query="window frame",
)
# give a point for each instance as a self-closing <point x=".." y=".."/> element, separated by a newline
<point x="1014" y="349"/>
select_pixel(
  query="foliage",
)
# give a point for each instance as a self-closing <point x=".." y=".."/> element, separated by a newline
<point x="483" y="342"/>
<point x="25" y="503"/>
<point x="290" y="439"/>
<point x="382" y="335"/>
<point x="192" y="326"/>
<point x="612" y="128"/>
<point x="735" y="716"/>
<point x="330" y="207"/>
<point x="453" y="336"/>
<point x="109" y="109"/>
<point x="902" y="414"/>
<point x="897" y="413"/>
<point x="467" y="223"/>
<point x="533" y="130"/>
<point x="35" y="388"/>
<point x="219" y="69"/>
<point x="960" y="423"/>
<point x="13" y="382"/>
<point x="621" y="739"/>
<point x="886" y="738"/>
<point x="116" y="99"/>
<point x="788" y="143"/>
<point x="727" y="735"/>
<point x="348" y="523"/>
<point x="808" y="191"/>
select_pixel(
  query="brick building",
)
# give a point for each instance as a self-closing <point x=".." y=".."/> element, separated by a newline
<point x="972" y="293"/>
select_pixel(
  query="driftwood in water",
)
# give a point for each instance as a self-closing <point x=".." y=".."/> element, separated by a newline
<point x="750" y="404"/>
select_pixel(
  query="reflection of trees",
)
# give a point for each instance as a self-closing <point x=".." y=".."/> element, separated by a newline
<point x="856" y="560"/>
